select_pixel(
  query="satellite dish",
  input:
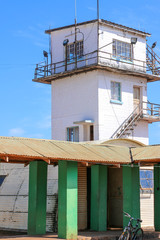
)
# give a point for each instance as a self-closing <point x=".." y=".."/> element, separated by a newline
<point x="154" y="44"/>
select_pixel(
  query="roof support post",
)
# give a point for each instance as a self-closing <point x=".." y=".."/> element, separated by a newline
<point x="157" y="197"/>
<point x="131" y="192"/>
<point x="99" y="197"/>
<point x="37" y="197"/>
<point x="67" y="199"/>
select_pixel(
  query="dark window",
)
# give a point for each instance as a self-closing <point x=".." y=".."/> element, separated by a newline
<point x="2" y="177"/>
<point x="91" y="133"/>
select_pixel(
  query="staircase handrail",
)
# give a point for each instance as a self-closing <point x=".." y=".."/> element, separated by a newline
<point x="139" y="106"/>
<point x="153" y="52"/>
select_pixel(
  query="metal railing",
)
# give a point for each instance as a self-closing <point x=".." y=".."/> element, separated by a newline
<point x="143" y="109"/>
<point x="151" y="109"/>
<point x="152" y="60"/>
<point x="92" y="58"/>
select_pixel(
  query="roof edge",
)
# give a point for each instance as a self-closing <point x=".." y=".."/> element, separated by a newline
<point x="101" y="21"/>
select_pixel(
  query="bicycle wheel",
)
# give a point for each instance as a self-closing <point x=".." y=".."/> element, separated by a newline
<point x="138" y="234"/>
<point x="124" y="236"/>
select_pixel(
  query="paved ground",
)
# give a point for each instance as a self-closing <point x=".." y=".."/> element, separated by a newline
<point x="109" y="235"/>
<point x="82" y="236"/>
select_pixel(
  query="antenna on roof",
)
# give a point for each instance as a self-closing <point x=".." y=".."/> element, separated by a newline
<point x="75" y="12"/>
<point x="98" y="9"/>
<point x="75" y="35"/>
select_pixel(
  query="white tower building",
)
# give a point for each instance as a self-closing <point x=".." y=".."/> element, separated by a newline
<point x="99" y="73"/>
<point x="99" y="88"/>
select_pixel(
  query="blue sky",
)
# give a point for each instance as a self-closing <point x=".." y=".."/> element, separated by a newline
<point x="25" y="105"/>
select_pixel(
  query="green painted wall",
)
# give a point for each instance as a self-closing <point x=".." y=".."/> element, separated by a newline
<point x="131" y="192"/>
<point x="99" y="198"/>
<point x="37" y="198"/>
<point x="67" y="199"/>
<point x="157" y="197"/>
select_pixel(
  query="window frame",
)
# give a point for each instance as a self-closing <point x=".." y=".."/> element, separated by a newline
<point x="80" y="51"/>
<point x="117" y="99"/>
<point x="69" y="139"/>
<point x="147" y="190"/>
<point x="122" y="47"/>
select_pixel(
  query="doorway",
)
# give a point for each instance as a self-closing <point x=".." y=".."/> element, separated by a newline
<point x="136" y="97"/>
<point x="115" y="198"/>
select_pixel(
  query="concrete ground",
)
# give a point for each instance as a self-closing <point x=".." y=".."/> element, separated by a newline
<point x="109" y="235"/>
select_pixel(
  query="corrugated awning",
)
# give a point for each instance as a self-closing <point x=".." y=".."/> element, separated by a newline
<point x="22" y="150"/>
<point x="146" y="154"/>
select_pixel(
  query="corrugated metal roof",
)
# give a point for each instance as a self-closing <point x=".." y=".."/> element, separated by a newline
<point x="25" y="149"/>
<point x="147" y="154"/>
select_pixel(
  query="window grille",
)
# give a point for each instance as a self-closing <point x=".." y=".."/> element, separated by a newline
<point x="146" y="181"/>
<point x="122" y="50"/>
<point x="71" y="50"/>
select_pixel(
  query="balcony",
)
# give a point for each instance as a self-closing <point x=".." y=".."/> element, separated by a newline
<point x="150" y="112"/>
<point x="88" y="62"/>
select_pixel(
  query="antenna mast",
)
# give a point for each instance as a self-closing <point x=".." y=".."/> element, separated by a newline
<point x="97" y="31"/>
<point x="98" y="9"/>
<point x="75" y="35"/>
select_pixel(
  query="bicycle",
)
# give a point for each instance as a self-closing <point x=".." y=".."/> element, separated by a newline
<point x="132" y="232"/>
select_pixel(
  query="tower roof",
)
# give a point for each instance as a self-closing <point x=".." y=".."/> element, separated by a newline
<point x="102" y="21"/>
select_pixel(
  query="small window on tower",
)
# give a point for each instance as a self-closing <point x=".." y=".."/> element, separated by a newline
<point x="71" y="50"/>
<point x="73" y="134"/>
<point x="116" y="91"/>
<point x="122" y="50"/>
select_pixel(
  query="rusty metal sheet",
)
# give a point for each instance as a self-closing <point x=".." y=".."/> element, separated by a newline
<point x="25" y="149"/>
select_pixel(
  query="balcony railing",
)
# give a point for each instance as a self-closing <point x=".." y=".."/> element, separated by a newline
<point x="93" y="58"/>
<point x="151" y="109"/>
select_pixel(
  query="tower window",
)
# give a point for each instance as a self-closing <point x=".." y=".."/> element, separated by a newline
<point x="71" y="50"/>
<point x="73" y="134"/>
<point x="116" y="91"/>
<point x="122" y="50"/>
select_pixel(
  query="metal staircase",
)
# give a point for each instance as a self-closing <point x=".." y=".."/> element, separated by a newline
<point x="145" y="110"/>
<point x="127" y="127"/>
<point x="152" y="61"/>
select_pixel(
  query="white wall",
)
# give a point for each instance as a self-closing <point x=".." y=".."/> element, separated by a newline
<point x="14" y="197"/>
<point x="74" y="99"/>
<point x="88" y="33"/>
<point x="108" y="34"/>
<point x="111" y="115"/>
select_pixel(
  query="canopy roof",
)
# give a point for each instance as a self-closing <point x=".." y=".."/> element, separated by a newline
<point x="24" y="150"/>
<point x="147" y="154"/>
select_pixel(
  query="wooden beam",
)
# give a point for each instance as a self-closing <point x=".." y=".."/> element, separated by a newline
<point x="6" y="159"/>
<point x="47" y="161"/>
<point x="26" y="164"/>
